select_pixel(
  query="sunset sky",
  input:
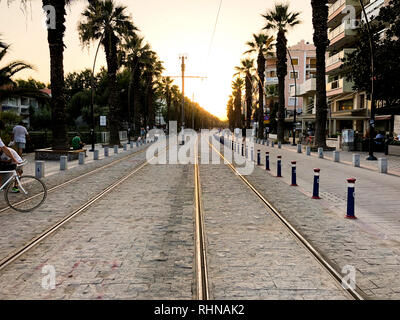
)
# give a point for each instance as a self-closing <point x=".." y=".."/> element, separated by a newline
<point x="171" y="27"/>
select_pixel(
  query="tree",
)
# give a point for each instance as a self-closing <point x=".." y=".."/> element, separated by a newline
<point x="280" y="19"/>
<point x="247" y="67"/>
<point x="320" y="23"/>
<point x="357" y="65"/>
<point x="165" y="87"/>
<point x="230" y="113"/>
<point x="262" y="46"/>
<point x="237" y="87"/>
<point x="108" y="23"/>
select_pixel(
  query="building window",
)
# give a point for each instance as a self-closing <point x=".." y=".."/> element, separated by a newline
<point x="292" y="101"/>
<point x="295" y="61"/>
<point x="272" y="74"/>
<point x="24" y="101"/>
<point x="294" y="75"/>
<point x="362" y="101"/>
<point x="346" y="105"/>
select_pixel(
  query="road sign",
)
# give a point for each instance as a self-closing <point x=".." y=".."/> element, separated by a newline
<point x="103" y="121"/>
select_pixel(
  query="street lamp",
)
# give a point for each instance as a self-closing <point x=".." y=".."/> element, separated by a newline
<point x="371" y="156"/>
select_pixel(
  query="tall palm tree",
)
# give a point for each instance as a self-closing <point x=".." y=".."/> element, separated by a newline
<point x="134" y="48"/>
<point x="247" y="67"/>
<point x="237" y="88"/>
<point x="55" y="39"/>
<point x="165" y="85"/>
<point x="320" y="18"/>
<point x="262" y="46"/>
<point x="280" y="20"/>
<point x="230" y="113"/>
<point x="106" y="21"/>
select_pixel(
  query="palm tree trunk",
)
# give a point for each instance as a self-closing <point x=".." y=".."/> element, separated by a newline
<point x="110" y="45"/>
<point x="320" y="18"/>
<point x="168" y="98"/>
<point x="261" y="75"/>
<point x="248" y="100"/>
<point x="282" y="72"/>
<point x="58" y="104"/>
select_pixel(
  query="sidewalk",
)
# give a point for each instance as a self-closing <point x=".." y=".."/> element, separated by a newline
<point x="53" y="167"/>
<point x="377" y="201"/>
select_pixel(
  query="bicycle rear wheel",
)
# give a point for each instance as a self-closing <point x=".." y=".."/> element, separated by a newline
<point x="31" y="194"/>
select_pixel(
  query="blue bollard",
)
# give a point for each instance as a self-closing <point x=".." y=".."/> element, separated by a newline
<point x="316" y="184"/>
<point x="350" y="198"/>
<point x="267" y="161"/>
<point x="279" y="167"/>
<point x="258" y="157"/>
<point x="242" y="150"/>
<point x="294" y="183"/>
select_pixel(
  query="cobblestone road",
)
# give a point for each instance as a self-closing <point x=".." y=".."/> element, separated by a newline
<point x="135" y="243"/>
<point x="251" y="255"/>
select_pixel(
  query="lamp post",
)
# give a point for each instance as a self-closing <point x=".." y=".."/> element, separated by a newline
<point x="183" y="57"/>
<point x="295" y="99"/>
<point x="371" y="156"/>
<point x="92" y="96"/>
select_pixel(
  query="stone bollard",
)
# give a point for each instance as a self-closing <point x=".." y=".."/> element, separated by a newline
<point x="137" y="143"/>
<point x="279" y="145"/>
<point x="356" y="160"/>
<point x="267" y="161"/>
<point x="81" y="158"/>
<point x="383" y="165"/>
<point x="316" y="184"/>
<point x="115" y="149"/>
<point x="96" y="155"/>
<point x="252" y="154"/>
<point x="263" y="142"/>
<point x="279" y="167"/>
<point x="63" y="163"/>
<point x="294" y="182"/>
<point x="350" y="198"/>
<point x="131" y="144"/>
<point x="125" y="147"/>
<point x="106" y="152"/>
<point x="272" y="144"/>
<point x="321" y="153"/>
<point x="299" y="146"/>
<point x="336" y="156"/>
<point x="39" y="169"/>
<point x="308" y="151"/>
<point x="247" y="152"/>
<point x="267" y="142"/>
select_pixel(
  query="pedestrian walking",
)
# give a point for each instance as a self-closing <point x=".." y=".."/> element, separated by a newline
<point x="20" y="134"/>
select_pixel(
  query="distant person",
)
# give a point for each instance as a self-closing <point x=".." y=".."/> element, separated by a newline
<point x="20" y="134"/>
<point x="77" y="143"/>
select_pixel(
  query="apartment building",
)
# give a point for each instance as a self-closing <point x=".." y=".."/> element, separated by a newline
<point x="348" y="109"/>
<point x="304" y="63"/>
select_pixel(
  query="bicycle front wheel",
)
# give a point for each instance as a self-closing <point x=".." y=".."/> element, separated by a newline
<point x="28" y="196"/>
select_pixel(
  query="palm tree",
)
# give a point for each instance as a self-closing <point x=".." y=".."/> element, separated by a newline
<point x="280" y="19"/>
<point x="133" y="49"/>
<point x="230" y="113"/>
<point x="237" y="87"/>
<point x="165" y="87"/>
<point x="8" y="88"/>
<point x="262" y="46"/>
<point x="108" y="22"/>
<point x="247" y="67"/>
<point x="55" y="39"/>
<point x="320" y="18"/>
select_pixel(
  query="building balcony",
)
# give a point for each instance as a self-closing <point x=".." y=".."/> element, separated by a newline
<point x="336" y="8"/>
<point x="307" y="88"/>
<point x="271" y="80"/>
<point x="342" y="36"/>
<point x="372" y="8"/>
<point x="338" y="87"/>
<point x="333" y="63"/>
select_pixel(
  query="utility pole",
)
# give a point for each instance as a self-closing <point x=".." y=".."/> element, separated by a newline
<point x="183" y="57"/>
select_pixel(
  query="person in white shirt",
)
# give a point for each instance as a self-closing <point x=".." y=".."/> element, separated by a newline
<point x="20" y="134"/>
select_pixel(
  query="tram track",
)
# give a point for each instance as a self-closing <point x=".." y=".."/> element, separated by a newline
<point x="16" y="254"/>
<point x="79" y="177"/>
<point x="352" y="292"/>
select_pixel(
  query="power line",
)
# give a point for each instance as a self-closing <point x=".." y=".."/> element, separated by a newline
<point x="215" y="28"/>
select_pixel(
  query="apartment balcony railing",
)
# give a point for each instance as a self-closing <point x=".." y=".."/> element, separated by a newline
<point x="342" y="35"/>
<point x="336" y="11"/>
<point x="311" y="66"/>
<point x="271" y="80"/>
<point x="335" y="61"/>
<point x="338" y="87"/>
<point x="372" y="8"/>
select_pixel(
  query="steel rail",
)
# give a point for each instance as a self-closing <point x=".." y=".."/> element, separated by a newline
<point x="356" y="293"/>
<point x="51" y="230"/>
<point x="200" y="246"/>
<point x="78" y="178"/>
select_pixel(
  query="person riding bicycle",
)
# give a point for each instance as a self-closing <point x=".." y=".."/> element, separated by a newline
<point x="8" y="164"/>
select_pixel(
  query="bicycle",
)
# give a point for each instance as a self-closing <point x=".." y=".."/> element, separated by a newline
<point x="30" y="194"/>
